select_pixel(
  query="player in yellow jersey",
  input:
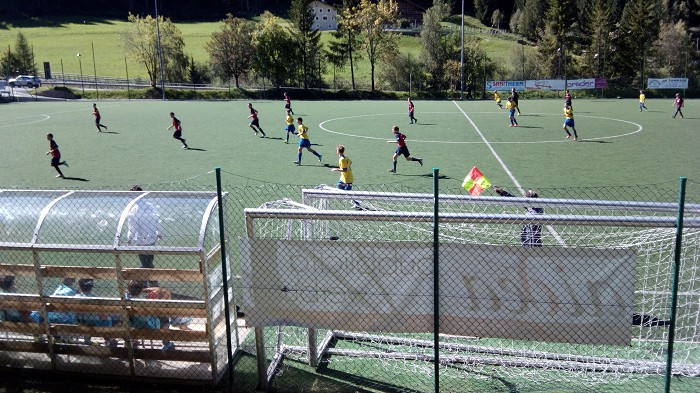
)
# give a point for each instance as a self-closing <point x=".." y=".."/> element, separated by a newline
<point x="497" y="98"/>
<point x="290" y="124"/>
<point x="569" y="122"/>
<point x="642" y="101"/>
<point x="345" y="182"/>
<point x="304" y="142"/>
<point x="511" y="107"/>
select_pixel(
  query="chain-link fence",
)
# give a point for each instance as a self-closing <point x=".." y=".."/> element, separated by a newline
<point x="570" y="289"/>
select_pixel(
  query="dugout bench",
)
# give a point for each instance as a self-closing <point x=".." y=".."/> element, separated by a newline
<point x="193" y="318"/>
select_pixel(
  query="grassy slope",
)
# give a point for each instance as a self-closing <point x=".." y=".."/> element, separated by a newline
<point x="60" y="39"/>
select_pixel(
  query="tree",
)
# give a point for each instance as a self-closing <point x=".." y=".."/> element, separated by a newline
<point x="630" y="41"/>
<point x="496" y="19"/>
<point x="671" y="50"/>
<point x="346" y="39"/>
<point x="23" y="56"/>
<point x="307" y="38"/>
<point x="481" y="9"/>
<point x="273" y="55"/>
<point x="597" y="23"/>
<point x="231" y="50"/>
<point x="371" y="18"/>
<point x="531" y="22"/>
<point x="558" y="41"/>
<point x="401" y="72"/>
<point x="434" y="48"/>
<point x="140" y="41"/>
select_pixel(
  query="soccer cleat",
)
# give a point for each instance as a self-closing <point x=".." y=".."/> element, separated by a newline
<point x="510" y="125"/>
<point x="568" y="136"/>
<point x="320" y="157"/>
<point x="65" y="163"/>
<point x="575" y="139"/>
<point x="515" y="125"/>
<point x="287" y="142"/>
<point x="392" y="170"/>
<point x="61" y="176"/>
<point x="297" y="162"/>
<point x="185" y="147"/>
<point x="420" y="161"/>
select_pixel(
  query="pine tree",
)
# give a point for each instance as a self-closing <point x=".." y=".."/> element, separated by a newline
<point x="597" y="27"/>
<point x="481" y="9"/>
<point x="307" y="39"/>
<point x="558" y="42"/>
<point x="629" y="44"/>
<point x="23" y="56"/>
<point x="434" y="48"/>
<point x="346" y="41"/>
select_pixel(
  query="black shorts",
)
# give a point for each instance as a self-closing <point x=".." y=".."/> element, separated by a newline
<point x="177" y="134"/>
<point x="55" y="161"/>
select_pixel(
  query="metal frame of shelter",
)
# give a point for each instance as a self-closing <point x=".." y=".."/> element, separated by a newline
<point x="47" y="235"/>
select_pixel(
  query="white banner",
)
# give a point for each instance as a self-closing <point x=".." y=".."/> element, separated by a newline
<point x="578" y="84"/>
<point x="545" y="84"/>
<point x="543" y="294"/>
<point x="667" y="83"/>
<point x="505" y="85"/>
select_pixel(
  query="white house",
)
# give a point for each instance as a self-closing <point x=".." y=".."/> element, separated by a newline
<point x="326" y="16"/>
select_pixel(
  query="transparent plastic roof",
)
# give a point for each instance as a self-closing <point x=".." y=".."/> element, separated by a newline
<point x="108" y="220"/>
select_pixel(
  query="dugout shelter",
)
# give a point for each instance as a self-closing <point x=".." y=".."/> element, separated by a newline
<point x="55" y="242"/>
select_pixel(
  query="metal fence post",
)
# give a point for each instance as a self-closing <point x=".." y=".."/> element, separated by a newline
<point x="436" y="282"/>
<point x="224" y="272"/>
<point x="674" y="289"/>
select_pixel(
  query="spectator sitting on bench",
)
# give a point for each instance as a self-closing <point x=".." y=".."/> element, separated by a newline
<point x="7" y="285"/>
<point x="85" y="286"/>
<point x="65" y="288"/>
<point x="137" y="290"/>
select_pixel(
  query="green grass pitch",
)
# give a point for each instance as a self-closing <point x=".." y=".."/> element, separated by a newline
<point x="618" y="144"/>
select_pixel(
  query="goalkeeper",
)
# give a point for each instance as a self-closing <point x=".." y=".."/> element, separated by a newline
<point x="530" y="234"/>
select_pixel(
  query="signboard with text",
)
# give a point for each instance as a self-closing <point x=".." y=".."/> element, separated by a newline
<point x="505" y="85"/>
<point x="551" y="294"/>
<point x="667" y="83"/>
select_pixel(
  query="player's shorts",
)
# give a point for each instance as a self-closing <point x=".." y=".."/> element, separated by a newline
<point x="97" y="120"/>
<point x="410" y="114"/>
<point x="305" y="143"/>
<point x="287" y="106"/>
<point x="177" y="134"/>
<point x="512" y="112"/>
<point x="344" y="186"/>
<point x="568" y="102"/>
<point x="569" y="122"/>
<point x="290" y="128"/>
<point x="55" y="161"/>
<point x="402" y="150"/>
<point x="255" y="122"/>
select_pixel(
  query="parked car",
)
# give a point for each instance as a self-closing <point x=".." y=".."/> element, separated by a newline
<point x="24" y="80"/>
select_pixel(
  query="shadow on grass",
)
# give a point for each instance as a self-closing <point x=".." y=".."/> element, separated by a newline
<point x="108" y="132"/>
<point x="74" y="178"/>
<point x="195" y="149"/>
<point x="519" y="126"/>
<point x="592" y="141"/>
<point x="54" y="21"/>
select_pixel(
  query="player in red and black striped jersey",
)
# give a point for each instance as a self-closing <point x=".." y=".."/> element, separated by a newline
<point x="178" y="130"/>
<point x="55" y="155"/>
<point x="402" y="149"/>
<point x="98" y="117"/>
<point x="254" y="121"/>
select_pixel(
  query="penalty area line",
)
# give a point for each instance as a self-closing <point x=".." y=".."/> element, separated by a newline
<point x="505" y="168"/>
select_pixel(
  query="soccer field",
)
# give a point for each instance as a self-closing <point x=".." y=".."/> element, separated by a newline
<point x="619" y="146"/>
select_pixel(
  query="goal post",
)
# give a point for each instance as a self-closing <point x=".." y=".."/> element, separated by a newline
<point x="337" y="321"/>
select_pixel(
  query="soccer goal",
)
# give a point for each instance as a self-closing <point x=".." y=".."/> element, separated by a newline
<point x="619" y="336"/>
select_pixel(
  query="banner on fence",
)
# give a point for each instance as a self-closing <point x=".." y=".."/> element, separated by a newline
<point x="544" y="294"/>
<point x="545" y="84"/>
<point x="667" y="83"/>
<point x="505" y="85"/>
<point x="601" y="83"/>
<point x="578" y="84"/>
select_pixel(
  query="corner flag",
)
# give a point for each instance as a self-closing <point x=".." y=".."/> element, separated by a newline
<point x="475" y="183"/>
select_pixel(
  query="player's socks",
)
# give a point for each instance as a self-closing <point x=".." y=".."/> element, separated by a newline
<point x="394" y="166"/>
<point x="299" y="157"/>
<point x="320" y="157"/>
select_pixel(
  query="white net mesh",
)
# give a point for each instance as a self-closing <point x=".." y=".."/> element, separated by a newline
<point x="488" y="361"/>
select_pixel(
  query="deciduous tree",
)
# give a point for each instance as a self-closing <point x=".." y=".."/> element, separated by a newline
<point x="231" y="49"/>
<point x="370" y="19"/>
<point x="140" y="41"/>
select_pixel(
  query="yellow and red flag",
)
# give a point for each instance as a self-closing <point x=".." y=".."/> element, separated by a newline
<point x="475" y="183"/>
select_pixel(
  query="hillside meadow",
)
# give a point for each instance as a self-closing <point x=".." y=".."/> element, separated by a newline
<point x="59" y="40"/>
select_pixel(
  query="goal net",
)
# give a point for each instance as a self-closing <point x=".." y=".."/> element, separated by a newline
<point x="404" y="361"/>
